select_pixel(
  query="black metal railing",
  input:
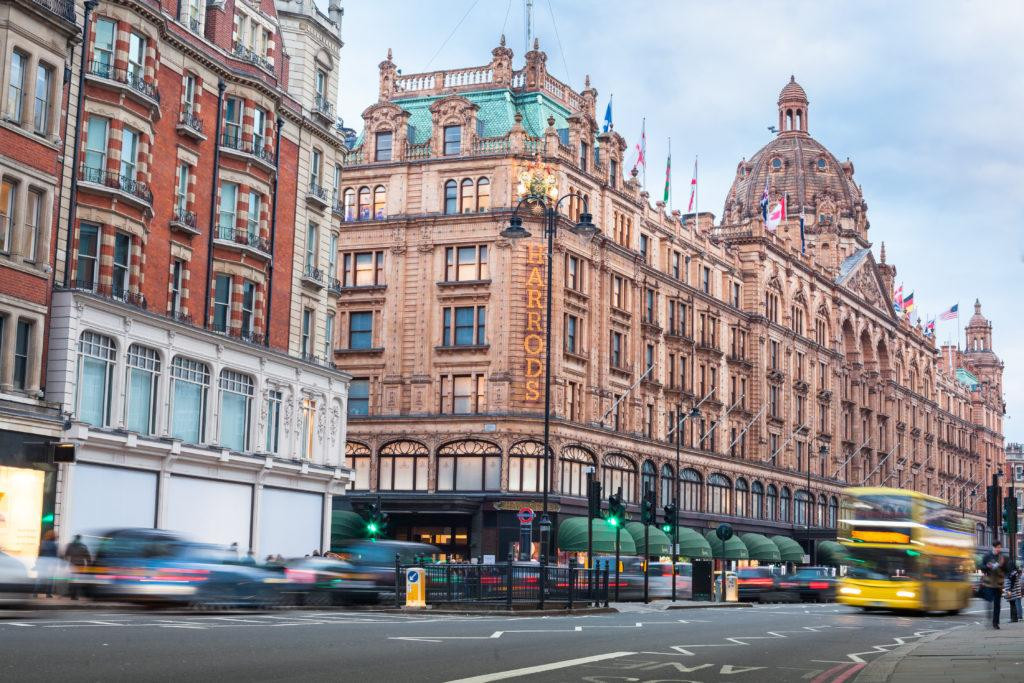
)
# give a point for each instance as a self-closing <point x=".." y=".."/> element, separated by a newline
<point x="242" y="52"/>
<point x="250" y="336"/>
<point x="186" y="218"/>
<point x="112" y="291"/>
<point x="235" y="142"/>
<point x="116" y="181"/>
<point x="334" y="285"/>
<point x="136" y="82"/>
<point x="243" y="237"/>
<point x="508" y="583"/>
<point x="182" y="316"/>
<point x="323" y="107"/>
<point x="318" y="192"/>
<point x="314" y="274"/>
<point x="189" y="119"/>
<point x="65" y="9"/>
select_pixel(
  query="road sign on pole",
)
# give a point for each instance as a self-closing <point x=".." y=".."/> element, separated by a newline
<point x="526" y="515"/>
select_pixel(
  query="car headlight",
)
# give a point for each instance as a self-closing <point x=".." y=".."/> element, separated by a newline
<point x="906" y="594"/>
<point x="849" y="590"/>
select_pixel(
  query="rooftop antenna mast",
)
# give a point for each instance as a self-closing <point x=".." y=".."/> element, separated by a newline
<point x="528" y="17"/>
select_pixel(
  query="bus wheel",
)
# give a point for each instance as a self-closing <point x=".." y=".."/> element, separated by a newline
<point x="952" y="612"/>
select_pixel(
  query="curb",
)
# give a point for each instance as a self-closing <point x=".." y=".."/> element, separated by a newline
<point x="881" y="669"/>
<point x="713" y="605"/>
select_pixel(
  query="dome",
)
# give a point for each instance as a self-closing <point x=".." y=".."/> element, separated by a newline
<point x="977" y="320"/>
<point x="796" y="165"/>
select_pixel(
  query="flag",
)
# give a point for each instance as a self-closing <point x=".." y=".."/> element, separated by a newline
<point x="764" y="202"/>
<point x="776" y="215"/>
<point x="641" y="148"/>
<point x="693" y="188"/>
<point x="929" y="328"/>
<point x="908" y="305"/>
<point x="668" y="177"/>
<point x="951" y="314"/>
<point x="803" y="241"/>
<point x="897" y="299"/>
<point x="608" y="116"/>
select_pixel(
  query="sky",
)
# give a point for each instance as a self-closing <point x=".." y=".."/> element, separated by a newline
<point x="926" y="98"/>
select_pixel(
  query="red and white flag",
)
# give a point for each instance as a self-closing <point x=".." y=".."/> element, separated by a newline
<point x="693" y="188"/>
<point x="641" y="148"/>
<point x="776" y="214"/>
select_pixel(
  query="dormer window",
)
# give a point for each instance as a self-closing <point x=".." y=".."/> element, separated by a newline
<point x="382" y="151"/>
<point x="776" y="164"/>
<point x="821" y="165"/>
<point x="452" y="140"/>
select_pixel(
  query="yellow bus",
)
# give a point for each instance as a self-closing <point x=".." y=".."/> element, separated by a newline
<point x="907" y="551"/>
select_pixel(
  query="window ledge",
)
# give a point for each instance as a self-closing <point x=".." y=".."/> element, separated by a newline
<point x="472" y="348"/>
<point x="463" y="283"/>
<point x="26" y="132"/>
<point x="351" y="352"/>
<point x="16" y="262"/>
<point x="351" y="289"/>
<point x="578" y="357"/>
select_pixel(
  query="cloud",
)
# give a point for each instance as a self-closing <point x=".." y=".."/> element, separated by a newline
<point x="924" y="97"/>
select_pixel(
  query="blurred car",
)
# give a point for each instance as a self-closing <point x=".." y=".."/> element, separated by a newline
<point x="759" y="584"/>
<point x="809" y="584"/>
<point x="14" y="579"/>
<point x="328" y="581"/>
<point x="161" y="567"/>
<point x="631" y="576"/>
<point x="661" y="580"/>
<point x="374" y="561"/>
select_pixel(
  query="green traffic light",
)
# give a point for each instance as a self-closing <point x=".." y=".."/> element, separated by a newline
<point x="372" y="527"/>
<point x="612" y="521"/>
<point x="48" y="518"/>
<point x="666" y="528"/>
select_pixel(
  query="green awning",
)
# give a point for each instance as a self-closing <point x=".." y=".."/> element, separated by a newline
<point x="789" y="550"/>
<point x="733" y="549"/>
<point x="572" y="537"/>
<point x="692" y="544"/>
<point x="660" y="543"/>
<point x="345" y="525"/>
<point x="830" y="552"/>
<point x="761" y="548"/>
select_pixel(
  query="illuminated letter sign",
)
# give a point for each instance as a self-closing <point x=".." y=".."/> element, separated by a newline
<point x="533" y="341"/>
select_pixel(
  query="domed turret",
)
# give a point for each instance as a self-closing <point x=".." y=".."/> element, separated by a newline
<point x="793" y="108"/>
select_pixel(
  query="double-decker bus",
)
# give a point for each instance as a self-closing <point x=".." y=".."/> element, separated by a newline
<point x="907" y="551"/>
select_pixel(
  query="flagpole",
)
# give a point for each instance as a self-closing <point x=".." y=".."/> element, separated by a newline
<point x="669" y="173"/>
<point x="643" y="148"/>
<point x="696" y="193"/>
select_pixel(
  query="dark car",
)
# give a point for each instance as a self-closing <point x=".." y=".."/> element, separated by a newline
<point x="661" y="580"/>
<point x="329" y="581"/>
<point x="375" y="561"/>
<point x="161" y="567"/>
<point x="758" y="584"/>
<point x="810" y="584"/>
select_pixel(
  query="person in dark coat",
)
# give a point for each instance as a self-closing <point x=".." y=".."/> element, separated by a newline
<point x="77" y="555"/>
<point x="993" y="567"/>
<point x="1012" y="592"/>
<point x="46" y="564"/>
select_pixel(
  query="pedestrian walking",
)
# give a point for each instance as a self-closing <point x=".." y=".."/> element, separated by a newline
<point x="46" y="564"/>
<point x="1012" y="591"/>
<point x="993" y="566"/>
<point x="78" y="556"/>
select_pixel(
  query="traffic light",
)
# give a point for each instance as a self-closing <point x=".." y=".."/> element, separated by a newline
<point x="670" y="518"/>
<point x="594" y="499"/>
<point x="376" y="521"/>
<point x="648" y="514"/>
<point x="616" y="511"/>
<point x="993" y="494"/>
<point x="1009" y="515"/>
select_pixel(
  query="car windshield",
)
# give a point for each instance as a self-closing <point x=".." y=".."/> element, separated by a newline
<point x="882" y="564"/>
<point x="135" y="547"/>
<point x="751" y="572"/>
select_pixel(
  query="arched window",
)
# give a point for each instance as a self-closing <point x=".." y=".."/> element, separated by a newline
<point x="526" y="466"/>
<point x="364" y="203"/>
<point x="719" y="488"/>
<point x="357" y="456"/>
<point x="833" y="512"/>
<point x="236" y="392"/>
<point x="350" y="204"/>
<point x="785" y="501"/>
<point x="668" y="493"/>
<point x="140" y="401"/>
<point x="574" y="463"/>
<point x="466" y="202"/>
<point x="776" y="163"/>
<point x="190" y="381"/>
<point x="402" y="466"/>
<point x="821" y="164"/>
<point x="800" y="510"/>
<point x="771" y="502"/>
<point x="819" y="519"/>
<point x="742" y="491"/>
<point x="95" y="378"/>
<point x="757" y="500"/>
<point x="648" y="478"/>
<point x="483" y="194"/>
<point x="469" y="466"/>
<point x="451" y="197"/>
<point x="617" y="470"/>
<point x="380" y="201"/>
<point x="691" y="482"/>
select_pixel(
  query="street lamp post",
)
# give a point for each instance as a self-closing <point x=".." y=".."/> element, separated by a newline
<point x="680" y="419"/>
<point x="515" y="230"/>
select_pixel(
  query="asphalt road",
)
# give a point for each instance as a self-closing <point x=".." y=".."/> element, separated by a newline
<point x="815" y="643"/>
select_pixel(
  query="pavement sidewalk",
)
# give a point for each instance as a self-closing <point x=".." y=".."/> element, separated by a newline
<point x="966" y="654"/>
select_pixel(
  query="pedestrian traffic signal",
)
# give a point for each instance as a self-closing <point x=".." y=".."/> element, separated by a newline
<point x="1009" y="515"/>
<point x="594" y="499"/>
<point x="376" y="521"/>
<point x="648" y="514"/>
<point x="670" y="518"/>
<point x="616" y="511"/>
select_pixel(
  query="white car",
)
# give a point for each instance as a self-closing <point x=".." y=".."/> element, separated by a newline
<point x="14" y="579"/>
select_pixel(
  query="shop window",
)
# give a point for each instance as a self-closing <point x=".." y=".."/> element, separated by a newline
<point x="742" y="491"/>
<point x="668" y="492"/>
<point x="236" y="392"/>
<point x="719" y="490"/>
<point x="402" y="466"/>
<point x="357" y="456"/>
<point x="771" y="502"/>
<point x="469" y="466"/>
<point x="618" y="471"/>
<point x="690" y="484"/>
<point x="573" y="464"/>
<point x="648" y="478"/>
<point x="785" y="500"/>
<point x="140" y="401"/>
<point x="96" y="355"/>
<point x="190" y="381"/>
<point x="526" y="466"/>
<point x="757" y="500"/>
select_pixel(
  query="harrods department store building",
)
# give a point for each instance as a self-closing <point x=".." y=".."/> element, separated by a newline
<point x="439" y="317"/>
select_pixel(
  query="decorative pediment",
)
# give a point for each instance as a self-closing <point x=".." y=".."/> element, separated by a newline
<point x="454" y="110"/>
<point x="859" y="274"/>
<point x="385" y="116"/>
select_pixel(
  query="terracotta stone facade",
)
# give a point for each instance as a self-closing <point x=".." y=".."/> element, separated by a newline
<point x="799" y="366"/>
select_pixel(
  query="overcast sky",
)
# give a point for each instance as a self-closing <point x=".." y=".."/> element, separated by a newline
<point x="926" y="98"/>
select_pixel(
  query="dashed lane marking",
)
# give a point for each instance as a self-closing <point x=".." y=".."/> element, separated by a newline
<point x="542" y="668"/>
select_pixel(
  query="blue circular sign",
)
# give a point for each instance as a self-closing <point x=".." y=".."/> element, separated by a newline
<point x="412" y="576"/>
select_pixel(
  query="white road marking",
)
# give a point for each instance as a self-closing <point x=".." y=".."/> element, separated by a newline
<point x="527" y="671"/>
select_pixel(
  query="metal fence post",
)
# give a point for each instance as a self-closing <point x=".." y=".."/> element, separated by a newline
<point x="508" y="583"/>
<point x="606" y="591"/>
<point x="572" y="584"/>
<point x="448" y="579"/>
<point x="398" y="577"/>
